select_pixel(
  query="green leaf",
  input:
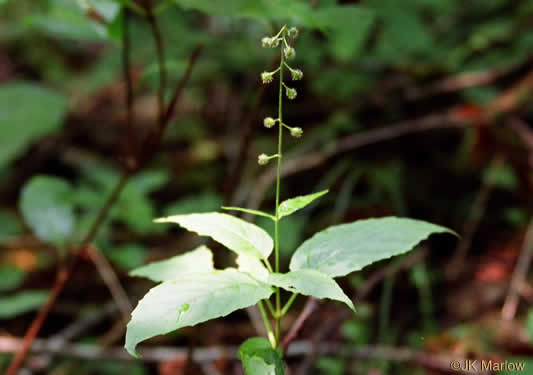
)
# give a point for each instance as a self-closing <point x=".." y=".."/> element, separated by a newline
<point x="236" y="234"/>
<point x="345" y="248"/>
<point x="192" y="299"/>
<point x="253" y="266"/>
<point x="12" y="278"/>
<point x="199" y="260"/>
<point x="261" y="10"/>
<point x="259" y="358"/>
<point x="46" y="205"/>
<point x="21" y="303"/>
<point x="501" y="176"/>
<point x="10" y="225"/>
<point x="310" y="283"/>
<point x="66" y="19"/>
<point x="294" y="204"/>
<point x="348" y="28"/>
<point x="127" y="256"/>
<point x="27" y="113"/>
<point x="253" y="212"/>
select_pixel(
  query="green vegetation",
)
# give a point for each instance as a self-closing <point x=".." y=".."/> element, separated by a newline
<point x="114" y="113"/>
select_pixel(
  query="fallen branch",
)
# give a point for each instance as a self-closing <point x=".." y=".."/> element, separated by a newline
<point x="211" y="354"/>
<point x="310" y="306"/>
<point x="519" y="276"/>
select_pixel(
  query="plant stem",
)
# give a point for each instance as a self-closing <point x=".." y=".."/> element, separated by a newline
<point x="278" y="178"/>
<point x="288" y="304"/>
<point x="268" y="327"/>
<point x="271" y="307"/>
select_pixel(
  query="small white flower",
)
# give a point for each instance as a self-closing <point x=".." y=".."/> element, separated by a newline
<point x="296" y="132"/>
<point x="291" y="93"/>
<point x="269" y="122"/>
<point x="263" y="159"/>
<point x="289" y="52"/>
<point x="267" y="77"/>
<point x="297" y="74"/>
<point x="266" y="42"/>
<point x="292" y="32"/>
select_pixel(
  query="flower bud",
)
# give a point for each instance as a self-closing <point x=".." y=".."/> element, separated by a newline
<point x="267" y="77"/>
<point x="297" y="74"/>
<point x="266" y="42"/>
<point x="291" y="93"/>
<point x="289" y="52"/>
<point x="269" y="122"/>
<point x="263" y="159"/>
<point x="292" y="32"/>
<point x="296" y="132"/>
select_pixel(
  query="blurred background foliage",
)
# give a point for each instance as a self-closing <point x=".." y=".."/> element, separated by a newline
<point x="368" y="65"/>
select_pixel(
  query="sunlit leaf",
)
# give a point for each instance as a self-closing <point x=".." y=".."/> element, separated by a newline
<point x="195" y="261"/>
<point x="192" y="299"/>
<point x="248" y="211"/>
<point x="345" y="248"/>
<point x="234" y="233"/>
<point x="292" y="205"/>
<point x="253" y="266"/>
<point x="310" y="283"/>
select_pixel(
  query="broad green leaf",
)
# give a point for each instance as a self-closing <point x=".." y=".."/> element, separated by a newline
<point x="345" y="248"/>
<point x="192" y="299"/>
<point x="348" y="28"/>
<point x="234" y="233"/>
<point x="47" y="207"/>
<point x="128" y="256"/>
<point x="310" y="283"/>
<point x="261" y="10"/>
<point x="86" y="20"/>
<point x="253" y="212"/>
<point x="21" y="303"/>
<point x="27" y="113"/>
<point x="199" y="260"/>
<point x="253" y="266"/>
<point x="259" y="358"/>
<point x="289" y="206"/>
<point x="10" y="225"/>
<point x="12" y="278"/>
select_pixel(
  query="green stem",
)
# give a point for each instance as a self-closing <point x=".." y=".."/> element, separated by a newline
<point x="278" y="178"/>
<point x="271" y="308"/>
<point x="268" y="327"/>
<point x="288" y="304"/>
<point x="267" y="264"/>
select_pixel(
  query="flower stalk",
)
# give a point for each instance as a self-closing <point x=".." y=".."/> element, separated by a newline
<point x="287" y="52"/>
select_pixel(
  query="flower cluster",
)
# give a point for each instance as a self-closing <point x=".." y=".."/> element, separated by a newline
<point x="287" y="53"/>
